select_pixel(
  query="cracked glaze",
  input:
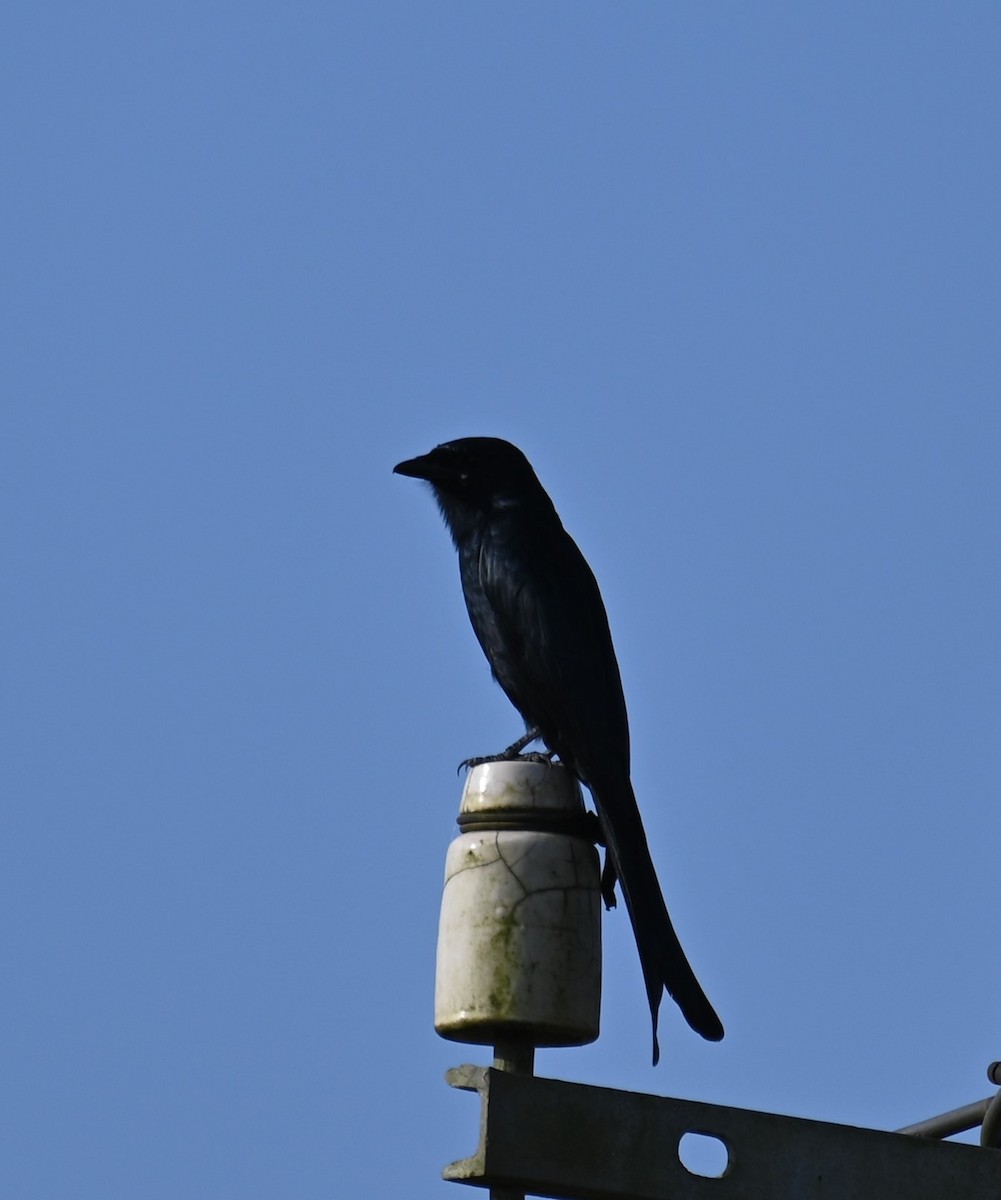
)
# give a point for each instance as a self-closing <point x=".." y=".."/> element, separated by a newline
<point x="499" y="786"/>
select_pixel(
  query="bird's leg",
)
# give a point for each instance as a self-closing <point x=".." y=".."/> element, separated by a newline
<point x="513" y="752"/>
<point x="515" y="749"/>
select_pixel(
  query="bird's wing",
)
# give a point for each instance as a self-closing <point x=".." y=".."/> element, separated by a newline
<point x="560" y="669"/>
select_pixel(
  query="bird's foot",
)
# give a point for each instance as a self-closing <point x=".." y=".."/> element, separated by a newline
<point x="507" y="756"/>
<point x="512" y="753"/>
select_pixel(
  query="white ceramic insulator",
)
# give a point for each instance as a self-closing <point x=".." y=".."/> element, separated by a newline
<point x="519" y="940"/>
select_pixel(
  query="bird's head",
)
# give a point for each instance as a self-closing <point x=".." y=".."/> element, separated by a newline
<point x="480" y="473"/>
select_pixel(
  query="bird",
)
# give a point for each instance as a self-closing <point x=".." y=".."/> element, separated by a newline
<point x="537" y="612"/>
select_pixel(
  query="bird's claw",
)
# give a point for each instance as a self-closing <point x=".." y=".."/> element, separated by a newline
<point x="506" y="756"/>
<point x="513" y="753"/>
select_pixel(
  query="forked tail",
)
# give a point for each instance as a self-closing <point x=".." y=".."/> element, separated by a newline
<point x="661" y="956"/>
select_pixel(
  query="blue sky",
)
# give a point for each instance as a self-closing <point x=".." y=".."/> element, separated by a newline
<point x="729" y="275"/>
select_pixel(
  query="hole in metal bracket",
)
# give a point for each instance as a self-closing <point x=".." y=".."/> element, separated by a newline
<point x="704" y="1154"/>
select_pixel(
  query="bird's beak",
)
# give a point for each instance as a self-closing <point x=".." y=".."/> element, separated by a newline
<point x="418" y="468"/>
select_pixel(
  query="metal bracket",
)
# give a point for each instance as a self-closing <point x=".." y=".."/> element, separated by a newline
<point x="571" y="1141"/>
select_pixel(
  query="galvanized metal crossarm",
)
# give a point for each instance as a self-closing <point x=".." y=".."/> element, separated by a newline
<point x="571" y="1141"/>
